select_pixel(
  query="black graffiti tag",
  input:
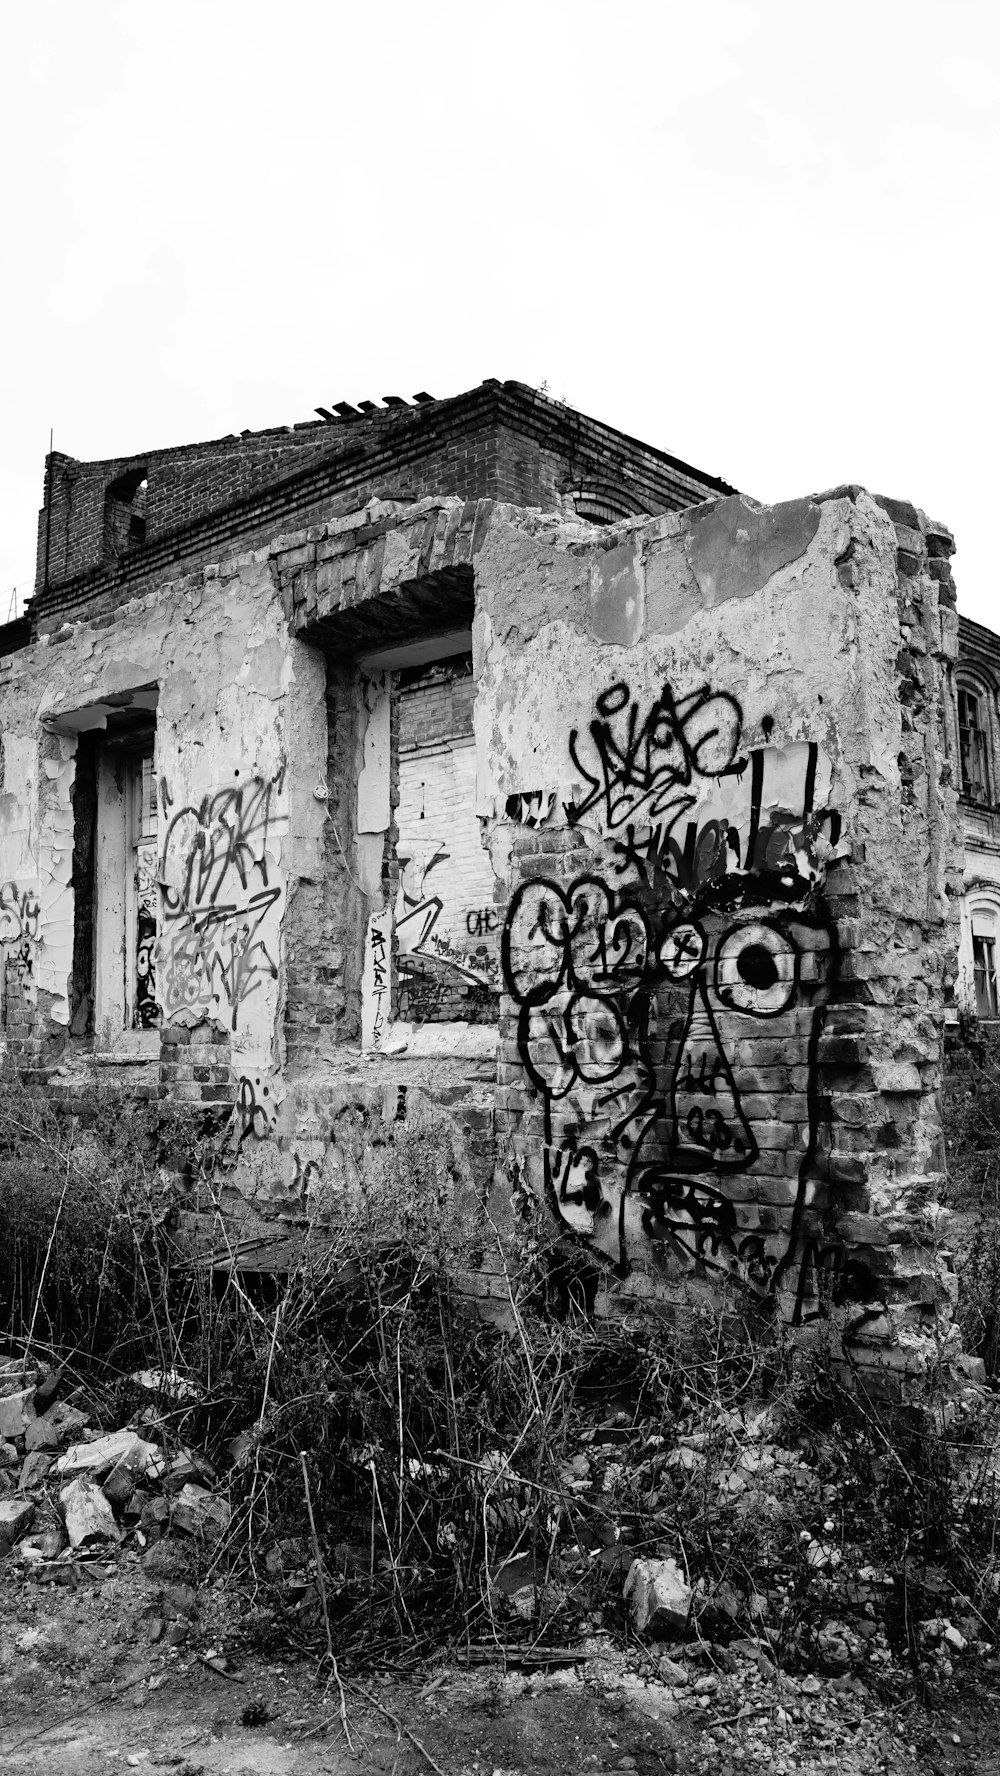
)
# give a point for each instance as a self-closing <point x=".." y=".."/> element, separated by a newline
<point x="662" y="991"/>
<point x="227" y="832"/>
<point x="642" y="766"/>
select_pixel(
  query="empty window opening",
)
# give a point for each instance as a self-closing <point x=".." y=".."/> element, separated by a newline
<point x="140" y="906"/>
<point x="447" y="927"/>
<point x="973" y="746"/>
<point x="125" y="514"/>
<point x="984" y="959"/>
<point x="115" y="871"/>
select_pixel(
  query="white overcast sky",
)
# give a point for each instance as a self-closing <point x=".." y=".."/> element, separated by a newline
<point x="761" y="236"/>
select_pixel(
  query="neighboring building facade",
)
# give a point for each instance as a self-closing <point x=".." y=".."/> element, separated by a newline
<point x="976" y="742"/>
<point x="470" y="763"/>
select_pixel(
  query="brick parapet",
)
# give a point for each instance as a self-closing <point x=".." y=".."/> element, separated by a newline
<point x="499" y="441"/>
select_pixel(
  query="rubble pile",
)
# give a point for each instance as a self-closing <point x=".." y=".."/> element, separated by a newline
<point x="795" y="1585"/>
<point x="721" y="1533"/>
<point x="71" y="1492"/>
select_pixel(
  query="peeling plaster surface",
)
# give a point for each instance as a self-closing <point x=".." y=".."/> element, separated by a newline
<point x="724" y="852"/>
<point x="373" y="783"/>
<point x="736" y="547"/>
<point x="213" y="656"/>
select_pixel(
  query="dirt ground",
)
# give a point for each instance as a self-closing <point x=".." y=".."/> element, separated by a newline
<point x="111" y="1671"/>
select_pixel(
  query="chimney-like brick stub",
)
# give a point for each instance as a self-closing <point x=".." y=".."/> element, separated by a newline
<point x="725" y="844"/>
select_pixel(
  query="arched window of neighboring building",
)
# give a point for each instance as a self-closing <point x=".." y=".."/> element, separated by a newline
<point x="599" y="504"/>
<point x="973" y="744"/>
<point x="984" y="960"/>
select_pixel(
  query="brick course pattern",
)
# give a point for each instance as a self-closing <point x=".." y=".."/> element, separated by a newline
<point x="500" y="441"/>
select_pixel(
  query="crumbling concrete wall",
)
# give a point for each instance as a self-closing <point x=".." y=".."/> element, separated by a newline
<point x="714" y="783"/>
<point x="710" y="752"/>
<point x="240" y="740"/>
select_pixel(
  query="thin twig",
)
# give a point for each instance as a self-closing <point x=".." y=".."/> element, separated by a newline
<point x="321" y="1582"/>
<point x="398" y="1724"/>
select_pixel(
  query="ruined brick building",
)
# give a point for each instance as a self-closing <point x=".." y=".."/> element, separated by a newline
<point x="467" y="759"/>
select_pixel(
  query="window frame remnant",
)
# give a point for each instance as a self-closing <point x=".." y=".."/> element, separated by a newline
<point x="116" y="906"/>
<point x="141" y="886"/>
<point x="985" y="975"/>
<point x="973" y="745"/>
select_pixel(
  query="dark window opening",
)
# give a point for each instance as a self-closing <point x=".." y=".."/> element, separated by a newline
<point x="81" y="1005"/>
<point x="125" y="514"/>
<point x="972" y="747"/>
<point x="603" y="505"/>
<point x="115" y="875"/>
<point x="984" y="960"/>
<point x="142" y="872"/>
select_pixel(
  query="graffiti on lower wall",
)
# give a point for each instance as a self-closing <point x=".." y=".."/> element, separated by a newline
<point x="670" y="1003"/>
<point x="222" y="902"/>
<point x="20" y="931"/>
<point x="376" y="981"/>
<point x="20" y="913"/>
<point x="256" y="1108"/>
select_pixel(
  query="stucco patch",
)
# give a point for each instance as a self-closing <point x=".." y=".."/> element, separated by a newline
<point x="734" y="550"/>
<point x="616" y="596"/>
<point x="673" y="595"/>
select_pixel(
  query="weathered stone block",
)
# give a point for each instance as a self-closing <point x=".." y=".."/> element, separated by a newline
<point x="896" y="1076"/>
<point x="15" y="1520"/>
<point x="659" y="1597"/>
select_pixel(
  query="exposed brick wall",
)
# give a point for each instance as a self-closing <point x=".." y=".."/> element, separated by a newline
<point x="196" y="1066"/>
<point x="438" y="705"/>
<point x="326" y="918"/>
<point x="501" y="441"/>
<point x="185" y="484"/>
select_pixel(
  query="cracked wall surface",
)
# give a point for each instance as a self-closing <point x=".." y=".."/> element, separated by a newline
<point x="240" y="737"/>
<point x="729" y="934"/>
<point x="714" y="786"/>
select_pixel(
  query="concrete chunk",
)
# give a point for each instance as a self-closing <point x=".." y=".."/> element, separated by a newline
<point x="659" y="1596"/>
<point x="55" y="1425"/>
<point x="200" y="1513"/>
<point x="86" y="1513"/>
<point x="16" y="1413"/>
<point x="15" y="1519"/>
<point x="105" y="1453"/>
<point x="34" y="1469"/>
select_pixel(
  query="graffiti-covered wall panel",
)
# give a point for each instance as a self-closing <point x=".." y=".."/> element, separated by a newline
<point x="727" y="848"/>
<point x="156" y="898"/>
